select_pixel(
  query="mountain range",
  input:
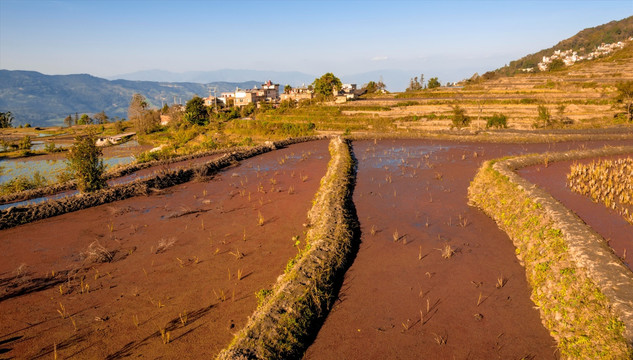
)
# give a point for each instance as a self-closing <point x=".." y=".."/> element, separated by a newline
<point x="396" y="80"/>
<point x="45" y="100"/>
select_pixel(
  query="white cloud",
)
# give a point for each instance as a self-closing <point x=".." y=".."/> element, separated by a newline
<point x="379" y="58"/>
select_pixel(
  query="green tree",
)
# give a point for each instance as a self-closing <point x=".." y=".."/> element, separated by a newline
<point x="556" y="64"/>
<point x="247" y="110"/>
<point x="6" y="119"/>
<point x="84" y="120"/>
<point x="433" y="83"/>
<point x="196" y="111"/>
<point x="101" y="117"/>
<point x="84" y="164"/>
<point x="68" y="121"/>
<point x="374" y="87"/>
<point x="625" y="96"/>
<point x="326" y="84"/>
<point x="287" y="89"/>
<point x="459" y="118"/>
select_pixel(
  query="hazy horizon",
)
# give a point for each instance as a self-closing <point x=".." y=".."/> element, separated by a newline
<point x="449" y="39"/>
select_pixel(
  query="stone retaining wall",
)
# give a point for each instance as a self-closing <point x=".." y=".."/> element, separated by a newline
<point x="282" y="327"/>
<point x="583" y="290"/>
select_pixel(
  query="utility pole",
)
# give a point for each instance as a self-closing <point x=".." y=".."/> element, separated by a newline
<point x="215" y="97"/>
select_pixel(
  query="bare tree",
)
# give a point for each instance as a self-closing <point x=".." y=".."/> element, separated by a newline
<point x="140" y="115"/>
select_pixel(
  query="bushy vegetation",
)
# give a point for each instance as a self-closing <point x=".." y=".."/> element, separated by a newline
<point x="625" y="96"/>
<point x="373" y="87"/>
<point x="84" y="164"/>
<point x="25" y="143"/>
<point x="266" y="128"/>
<point x="544" y="118"/>
<point x="22" y="183"/>
<point x="459" y="118"/>
<point x="497" y="121"/>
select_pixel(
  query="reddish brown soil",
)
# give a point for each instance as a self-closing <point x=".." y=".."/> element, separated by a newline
<point x="606" y="222"/>
<point x="210" y="236"/>
<point x="143" y="173"/>
<point x="394" y="305"/>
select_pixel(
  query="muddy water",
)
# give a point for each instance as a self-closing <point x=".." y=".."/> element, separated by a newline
<point x="187" y="260"/>
<point x="401" y="298"/>
<point x="52" y="165"/>
<point x="606" y="222"/>
<point x="140" y="174"/>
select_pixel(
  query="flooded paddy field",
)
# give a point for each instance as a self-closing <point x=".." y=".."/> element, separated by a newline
<point x="182" y="269"/>
<point x="605" y="221"/>
<point x="51" y="165"/>
<point x="136" y="175"/>
<point x="433" y="277"/>
<point x="169" y="274"/>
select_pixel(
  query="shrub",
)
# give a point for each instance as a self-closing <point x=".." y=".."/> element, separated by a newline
<point x="497" y="121"/>
<point x="556" y="64"/>
<point x="544" y="118"/>
<point x="459" y="119"/>
<point x="22" y="183"/>
<point x="50" y="148"/>
<point x="118" y="127"/>
<point x="25" y="143"/>
<point x="84" y="164"/>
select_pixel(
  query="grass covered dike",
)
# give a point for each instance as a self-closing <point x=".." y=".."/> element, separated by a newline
<point x="288" y="317"/>
<point x="18" y="215"/>
<point x="583" y="291"/>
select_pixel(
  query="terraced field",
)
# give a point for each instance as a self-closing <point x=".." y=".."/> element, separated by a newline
<point x="182" y="269"/>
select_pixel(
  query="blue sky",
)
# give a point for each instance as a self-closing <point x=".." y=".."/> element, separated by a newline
<point x="451" y="39"/>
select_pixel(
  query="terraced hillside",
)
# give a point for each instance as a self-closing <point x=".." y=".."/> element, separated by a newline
<point x="582" y="95"/>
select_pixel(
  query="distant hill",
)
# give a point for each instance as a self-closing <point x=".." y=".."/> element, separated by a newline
<point x="293" y="78"/>
<point x="583" y="42"/>
<point x="45" y="100"/>
<point x="396" y="80"/>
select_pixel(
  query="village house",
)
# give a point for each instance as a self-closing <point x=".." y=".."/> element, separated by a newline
<point x="298" y="94"/>
<point x="570" y="57"/>
<point x="245" y="97"/>
<point x="268" y="92"/>
<point x="347" y="92"/>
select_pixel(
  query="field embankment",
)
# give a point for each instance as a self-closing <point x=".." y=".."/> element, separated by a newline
<point x="583" y="291"/>
<point x="288" y="317"/>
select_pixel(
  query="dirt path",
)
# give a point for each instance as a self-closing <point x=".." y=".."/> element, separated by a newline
<point x="186" y="261"/>
<point x="606" y="222"/>
<point x="401" y="298"/>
